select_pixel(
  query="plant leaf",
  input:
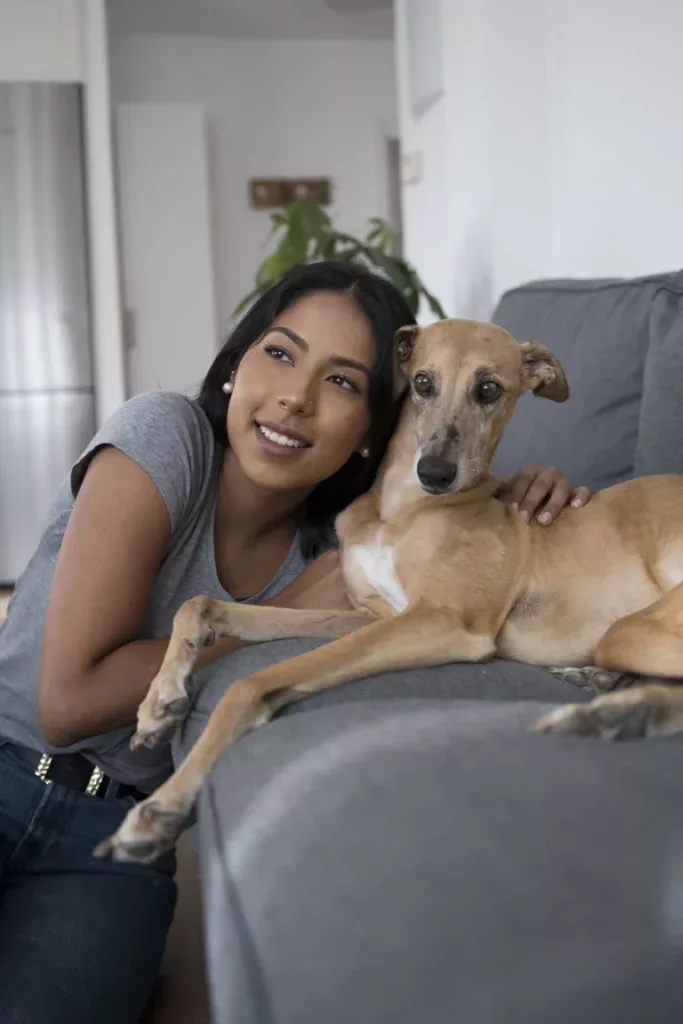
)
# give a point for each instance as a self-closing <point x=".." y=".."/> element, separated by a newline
<point x="307" y="234"/>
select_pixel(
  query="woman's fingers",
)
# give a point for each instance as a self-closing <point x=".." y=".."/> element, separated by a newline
<point x="515" y="491"/>
<point x="557" y="500"/>
<point x="548" y="489"/>
<point x="580" y="497"/>
<point x="543" y="493"/>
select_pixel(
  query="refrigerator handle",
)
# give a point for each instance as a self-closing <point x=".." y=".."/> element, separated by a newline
<point x="129" y="332"/>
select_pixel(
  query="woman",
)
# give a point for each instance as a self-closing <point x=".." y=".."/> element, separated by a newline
<point x="160" y="507"/>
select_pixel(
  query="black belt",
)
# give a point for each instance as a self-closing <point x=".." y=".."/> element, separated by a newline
<point x="75" y="772"/>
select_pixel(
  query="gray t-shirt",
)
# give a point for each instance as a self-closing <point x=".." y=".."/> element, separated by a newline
<point x="170" y="437"/>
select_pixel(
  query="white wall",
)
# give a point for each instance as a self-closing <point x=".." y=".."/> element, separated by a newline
<point x="40" y="40"/>
<point x="555" y="150"/>
<point x="309" y="108"/>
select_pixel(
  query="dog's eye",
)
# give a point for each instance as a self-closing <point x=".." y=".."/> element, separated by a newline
<point x="488" y="391"/>
<point x="423" y="384"/>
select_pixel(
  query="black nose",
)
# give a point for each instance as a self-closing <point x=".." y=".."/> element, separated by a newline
<point x="435" y="473"/>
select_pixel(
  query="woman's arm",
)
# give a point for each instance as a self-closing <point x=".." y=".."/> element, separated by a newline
<point x="543" y="491"/>
<point x="94" y="672"/>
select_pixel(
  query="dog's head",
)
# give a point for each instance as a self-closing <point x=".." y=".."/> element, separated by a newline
<point x="465" y="378"/>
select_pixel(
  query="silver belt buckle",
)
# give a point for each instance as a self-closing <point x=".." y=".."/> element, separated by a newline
<point x="43" y="768"/>
<point x="94" y="782"/>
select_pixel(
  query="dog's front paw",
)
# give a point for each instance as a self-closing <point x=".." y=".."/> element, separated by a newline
<point x="148" y="830"/>
<point x="638" y="713"/>
<point x="163" y="710"/>
<point x="590" y="677"/>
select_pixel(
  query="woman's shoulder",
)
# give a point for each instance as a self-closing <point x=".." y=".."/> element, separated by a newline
<point x="165" y="419"/>
<point x="160" y="409"/>
<point x="169" y="435"/>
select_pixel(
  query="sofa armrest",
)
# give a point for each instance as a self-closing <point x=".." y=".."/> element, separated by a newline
<point x="427" y="861"/>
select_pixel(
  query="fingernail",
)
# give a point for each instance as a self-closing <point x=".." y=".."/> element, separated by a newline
<point x="514" y="505"/>
<point x="545" y="518"/>
<point x="577" y="503"/>
<point x="526" y="516"/>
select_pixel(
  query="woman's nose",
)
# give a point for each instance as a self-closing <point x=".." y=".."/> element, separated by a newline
<point x="297" y="401"/>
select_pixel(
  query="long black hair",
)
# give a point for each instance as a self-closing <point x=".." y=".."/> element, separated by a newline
<point x="386" y="310"/>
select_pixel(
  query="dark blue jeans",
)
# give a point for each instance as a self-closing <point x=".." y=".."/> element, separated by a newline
<point x="81" y="939"/>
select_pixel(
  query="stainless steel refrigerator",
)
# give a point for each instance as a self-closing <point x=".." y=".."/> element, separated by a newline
<point x="47" y="401"/>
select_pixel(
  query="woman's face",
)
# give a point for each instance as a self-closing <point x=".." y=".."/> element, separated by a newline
<point x="299" y="406"/>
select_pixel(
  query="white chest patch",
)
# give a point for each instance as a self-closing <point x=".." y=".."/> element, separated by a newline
<point x="376" y="562"/>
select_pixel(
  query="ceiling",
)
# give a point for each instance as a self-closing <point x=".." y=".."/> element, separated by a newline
<point x="254" y="19"/>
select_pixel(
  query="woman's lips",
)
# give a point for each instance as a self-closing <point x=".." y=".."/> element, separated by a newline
<point x="272" y="446"/>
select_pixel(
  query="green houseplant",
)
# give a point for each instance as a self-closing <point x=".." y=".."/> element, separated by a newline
<point x="304" y="233"/>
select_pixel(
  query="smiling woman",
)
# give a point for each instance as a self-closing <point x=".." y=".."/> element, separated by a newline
<point x="231" y="496"/>
<point x="315" y="353"/>
<point x="302" y="399"/>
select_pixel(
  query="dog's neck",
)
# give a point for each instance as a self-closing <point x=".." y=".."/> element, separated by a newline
<point x="397" y="485"/>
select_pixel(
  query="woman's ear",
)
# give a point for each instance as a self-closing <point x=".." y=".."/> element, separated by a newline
<point x="542" y="372"/>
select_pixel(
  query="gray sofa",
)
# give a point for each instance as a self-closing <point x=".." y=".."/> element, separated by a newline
<point x="403" y="849"/>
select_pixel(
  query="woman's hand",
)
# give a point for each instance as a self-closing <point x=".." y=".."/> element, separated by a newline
<point x="320" y="585"/>
<point x="535" y="488"/>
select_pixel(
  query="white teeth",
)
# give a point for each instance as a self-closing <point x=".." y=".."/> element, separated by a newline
<point x="281" y="439"/>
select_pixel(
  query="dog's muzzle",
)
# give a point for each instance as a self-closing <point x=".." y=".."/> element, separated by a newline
<point x="436" y="474"/>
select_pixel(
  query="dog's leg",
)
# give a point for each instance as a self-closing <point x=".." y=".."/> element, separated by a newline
<point x="649" y="644"/>
<point x="641" y="712"/>
<point x="197" y="623"/>
<point x="421" y="636"/>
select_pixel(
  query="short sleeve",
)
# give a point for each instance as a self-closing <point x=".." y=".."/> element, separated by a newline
<point x="167" y="435"/>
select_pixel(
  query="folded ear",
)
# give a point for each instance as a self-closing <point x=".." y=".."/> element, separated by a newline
<point x="404" y="340"/>
<point x="404" y="343"/>
<point x="542" y="372"/>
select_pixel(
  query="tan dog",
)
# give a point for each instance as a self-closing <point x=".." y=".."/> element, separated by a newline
<point x="441" y="571"/>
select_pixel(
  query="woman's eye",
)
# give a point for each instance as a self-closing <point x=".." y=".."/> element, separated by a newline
<point x="278" y="352"/>
<point x="344" y="382"/>
<point x="488" y="391"/>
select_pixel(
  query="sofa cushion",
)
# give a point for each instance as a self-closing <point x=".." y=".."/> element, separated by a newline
<point x="602" y="331"/>
<point x="660" y="437"/>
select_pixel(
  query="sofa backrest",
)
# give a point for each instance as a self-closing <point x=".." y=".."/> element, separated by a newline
<point x="621" y="344"/>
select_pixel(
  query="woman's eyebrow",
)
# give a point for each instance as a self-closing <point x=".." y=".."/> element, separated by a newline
<point x="352" y="364"/>
<point x="292" y="335"/>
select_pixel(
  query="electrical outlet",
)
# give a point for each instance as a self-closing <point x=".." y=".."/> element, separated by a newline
<point x="411" y="167"/>
<point x="313" y="190"/>
<point x="266" y="193"/>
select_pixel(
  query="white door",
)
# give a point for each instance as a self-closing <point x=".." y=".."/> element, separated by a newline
<point x="166" y="245"/>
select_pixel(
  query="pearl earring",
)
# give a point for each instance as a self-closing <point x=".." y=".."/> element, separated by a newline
<point x="364" y="452"/>
<point x="229" y="384"/>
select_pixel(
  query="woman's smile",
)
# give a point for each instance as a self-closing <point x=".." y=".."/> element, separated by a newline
<point x="280" y="440"/>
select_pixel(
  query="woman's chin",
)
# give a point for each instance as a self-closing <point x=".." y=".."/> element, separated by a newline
<point x="272" y="472"/>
